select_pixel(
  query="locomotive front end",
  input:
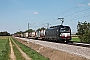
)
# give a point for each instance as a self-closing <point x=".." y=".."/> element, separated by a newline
<point x="65" y="33"/>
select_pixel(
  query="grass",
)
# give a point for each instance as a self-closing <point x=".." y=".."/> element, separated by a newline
<point x="17" y="53"/>
<point x="30" y="52"/>
<point x="75" y="39"/>
<point x="4" y="48"/>
<point x="4" y="37"/>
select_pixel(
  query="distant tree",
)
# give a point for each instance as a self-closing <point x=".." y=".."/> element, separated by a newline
<point x="84" y="31"/>
<point x="77" y="34"/>
<point x="43" y="28"/>
<point x="30" y="30"/>
<point x="38" y="29"/>
<point x="21" y="32"/>
<point x="18" y="32"/>
<point x="5" y="33"/>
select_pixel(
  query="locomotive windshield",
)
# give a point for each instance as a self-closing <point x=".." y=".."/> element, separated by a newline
<point x="65" y="29"/>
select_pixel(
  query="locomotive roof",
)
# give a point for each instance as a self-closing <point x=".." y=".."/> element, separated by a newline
<point x="59" y="26"/>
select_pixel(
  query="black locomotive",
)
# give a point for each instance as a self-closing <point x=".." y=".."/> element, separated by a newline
<point x="58" y="33"/>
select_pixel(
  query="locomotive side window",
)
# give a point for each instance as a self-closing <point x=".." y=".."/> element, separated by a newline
<point x="65" y="29"/>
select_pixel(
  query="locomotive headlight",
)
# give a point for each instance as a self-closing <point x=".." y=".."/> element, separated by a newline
<point x="60" y="34"/>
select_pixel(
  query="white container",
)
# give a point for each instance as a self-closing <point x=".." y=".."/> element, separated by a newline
<point x="33" y="34"/>
<point x="42" y="33"/>
<point x="26" y="34"/>
<point x="37" y="33"/>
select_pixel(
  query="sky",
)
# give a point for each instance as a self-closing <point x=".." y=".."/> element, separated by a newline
<point x="16" y="14"/>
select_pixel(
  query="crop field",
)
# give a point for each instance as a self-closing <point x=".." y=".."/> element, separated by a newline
<point x="75" y="39"/>
<point x="4" y="48"/>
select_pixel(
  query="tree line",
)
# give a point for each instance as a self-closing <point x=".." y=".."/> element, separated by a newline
<point x="5" y="33"/>
<point x="30" y="30"/>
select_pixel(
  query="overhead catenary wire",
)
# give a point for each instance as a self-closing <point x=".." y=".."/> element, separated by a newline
<point x="78" y="14"/>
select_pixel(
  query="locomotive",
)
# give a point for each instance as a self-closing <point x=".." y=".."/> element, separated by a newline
<point x="58" y="33"/>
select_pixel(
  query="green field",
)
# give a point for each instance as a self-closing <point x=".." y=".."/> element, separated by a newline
<point x="4" y="48"/>
<point x="75" y="39"/>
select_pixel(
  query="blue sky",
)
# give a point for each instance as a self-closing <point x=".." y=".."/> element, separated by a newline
<point x="16" y="14"/>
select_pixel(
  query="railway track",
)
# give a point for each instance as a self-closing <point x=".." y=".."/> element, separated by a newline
<point x="72" y="43"/>
<point x="80" y="44"/>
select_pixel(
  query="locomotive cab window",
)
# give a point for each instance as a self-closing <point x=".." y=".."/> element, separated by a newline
<point x="65" y="29"/>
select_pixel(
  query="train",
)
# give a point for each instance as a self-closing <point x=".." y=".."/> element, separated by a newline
<point x="58" y="33"/>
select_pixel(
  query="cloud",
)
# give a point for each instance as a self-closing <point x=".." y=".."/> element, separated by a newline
<point x="81" y="5"/>
<point x="88" y="4"/>
<point x="35" y="13"/>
